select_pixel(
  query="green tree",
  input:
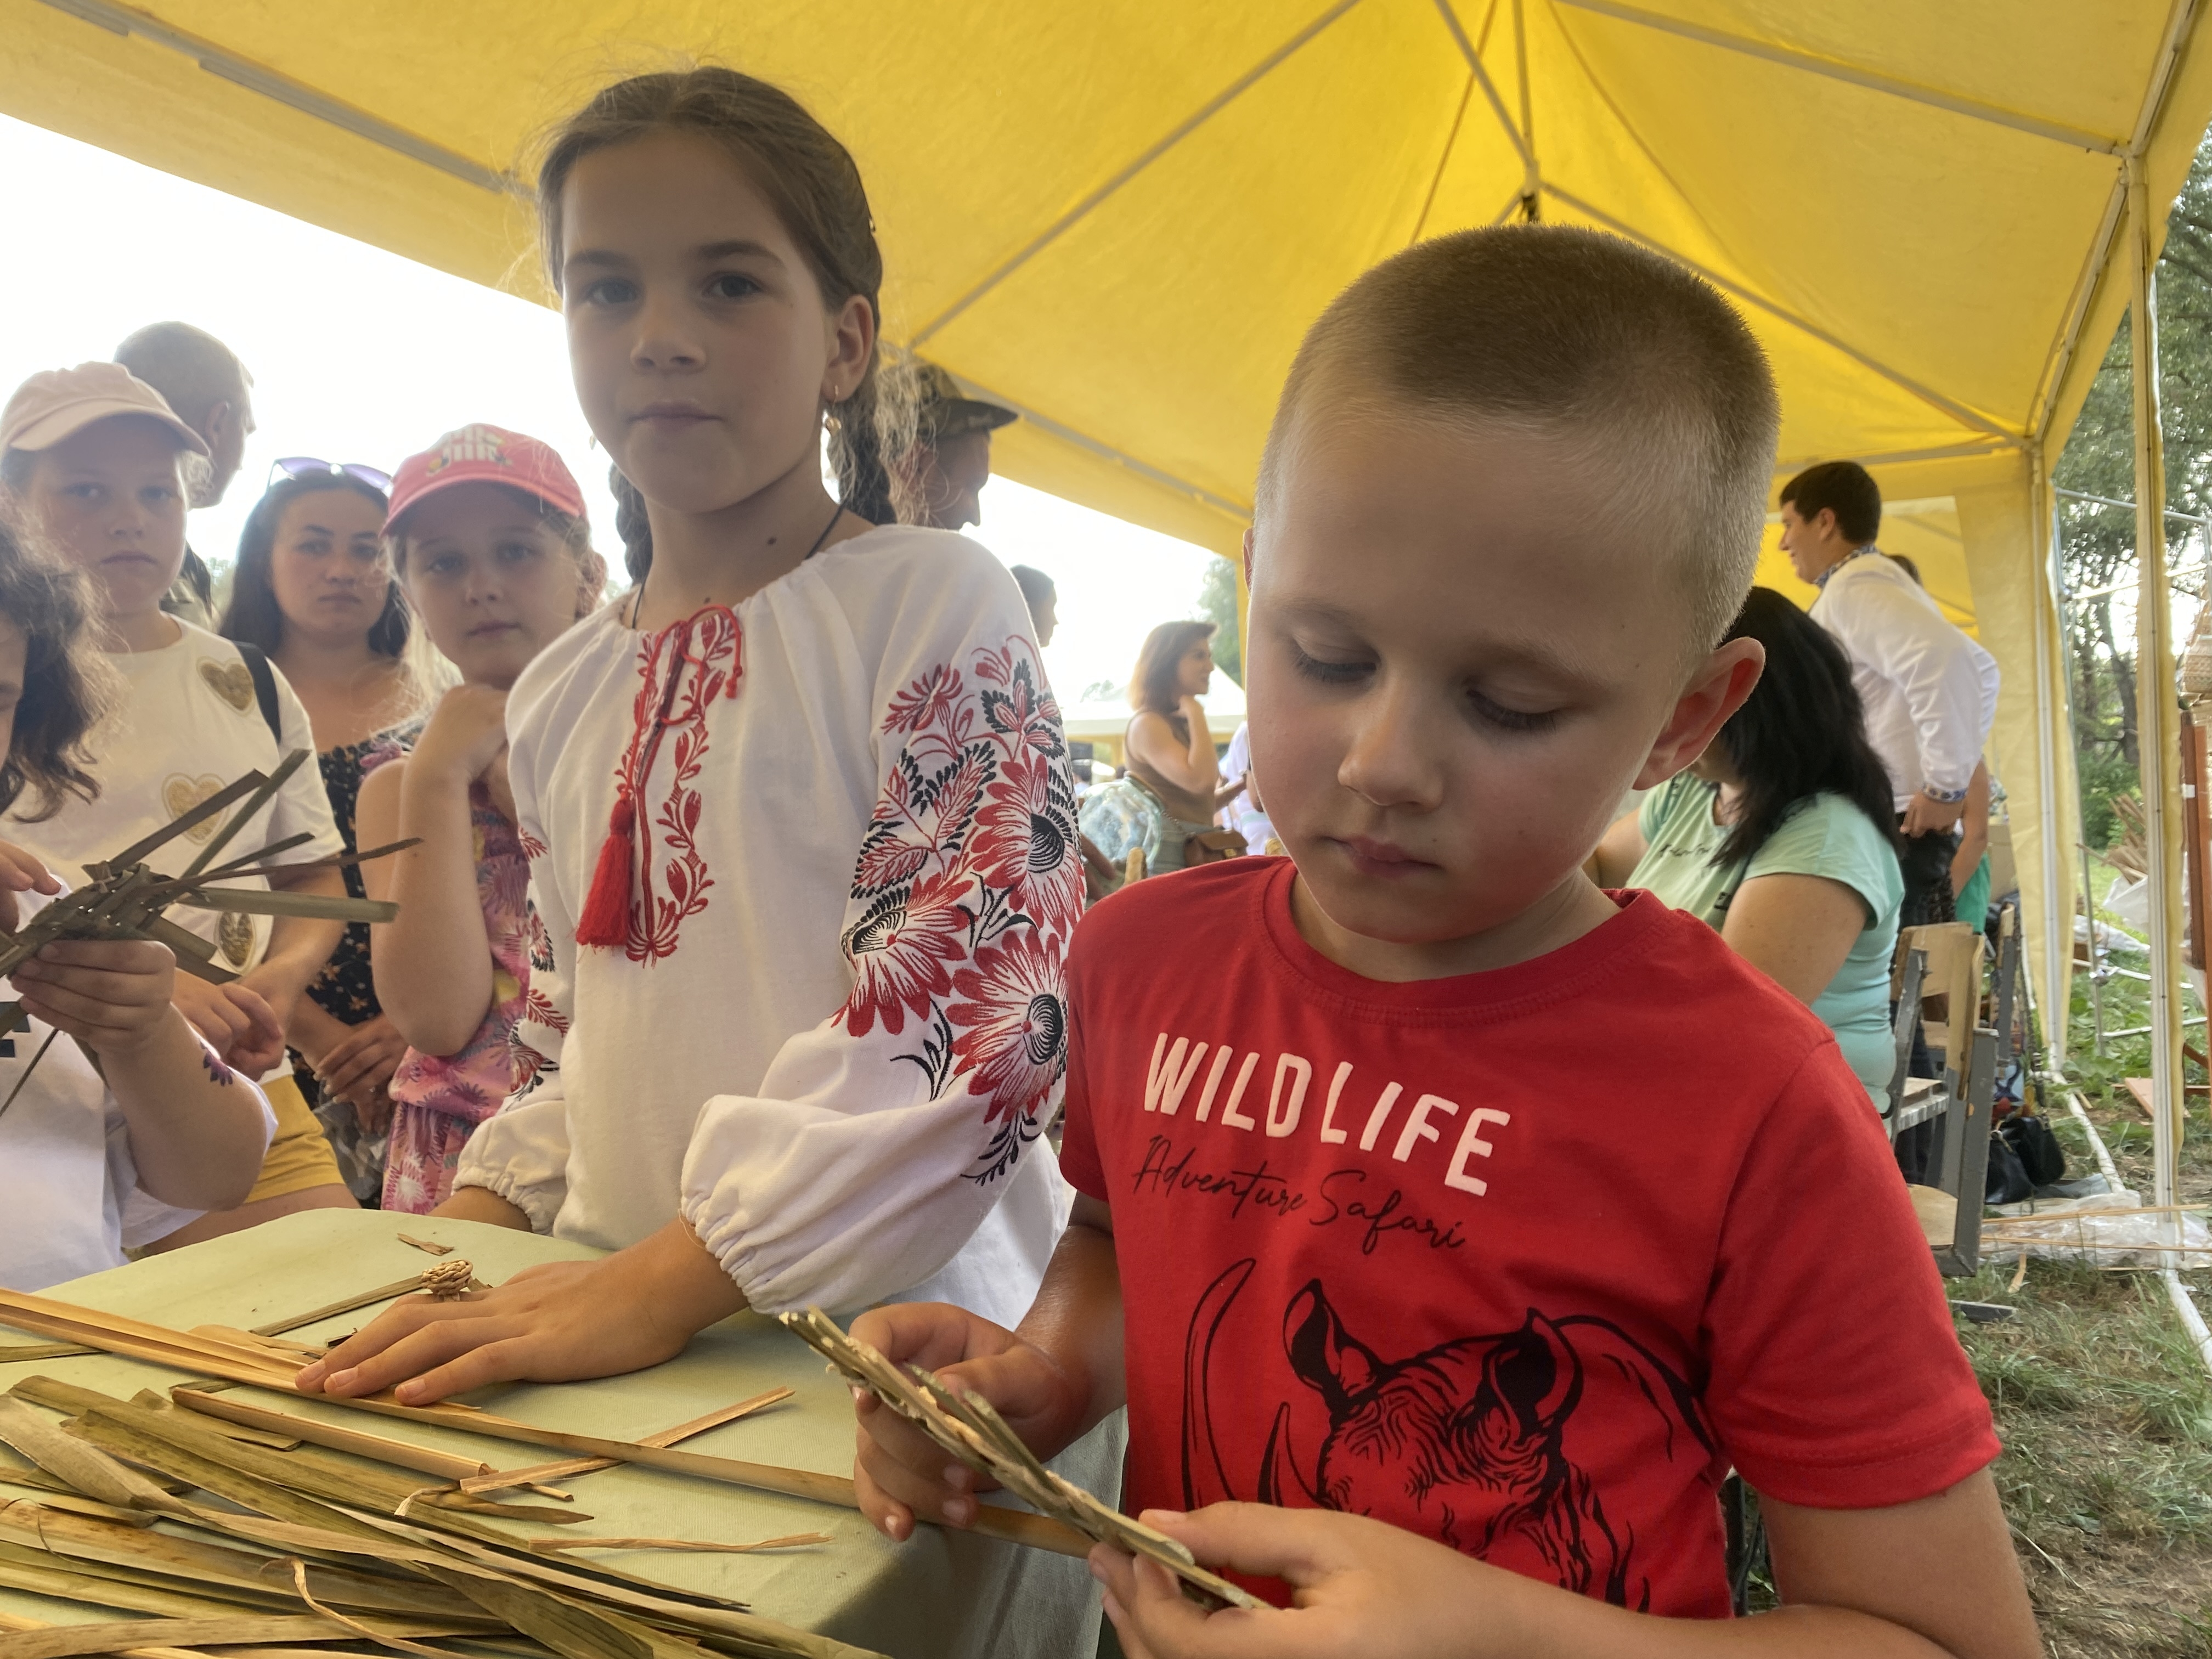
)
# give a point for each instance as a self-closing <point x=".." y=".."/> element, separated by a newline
<point x="2099" y="541"/>
<point x="1217" y="603"/>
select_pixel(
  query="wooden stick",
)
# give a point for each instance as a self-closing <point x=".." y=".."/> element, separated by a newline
<point x="277" y="1346"/>
<point x="367" y="1298"/>
<point x="796" y="1541"/>
<point x="421" y="1459"/>
<point x="682" y="1432"/>
<point x="14" y="1354"/>
<point x="201" y="1356"/>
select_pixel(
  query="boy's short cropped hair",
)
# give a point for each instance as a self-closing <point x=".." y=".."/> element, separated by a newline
<point x="1559" y="331"/>
<point x="1844" y="488"/>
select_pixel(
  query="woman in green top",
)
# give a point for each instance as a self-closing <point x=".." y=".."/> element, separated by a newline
<point x="1779" y="835"/>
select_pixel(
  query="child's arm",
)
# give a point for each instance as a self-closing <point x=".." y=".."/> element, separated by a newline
<point x="1052" y="1380"/>
<point x="1617" y="856"/>
<point x="1973" y="834"/>
<point x="198" y="1131"/>
<point x="1187" y="766"/>
<point x="298" y="948"/>
<point x="1918" y="1581"/>
<point x="432" y="965"/>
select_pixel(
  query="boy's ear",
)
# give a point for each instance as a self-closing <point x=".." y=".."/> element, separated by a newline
<point x="1247" y="557"/>
<point x="1715" y="692"/>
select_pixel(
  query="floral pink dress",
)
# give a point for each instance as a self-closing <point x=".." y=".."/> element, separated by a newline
<point x="438" y="1101"/>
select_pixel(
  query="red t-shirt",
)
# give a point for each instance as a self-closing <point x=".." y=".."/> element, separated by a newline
<point x="1523" y="1260"/>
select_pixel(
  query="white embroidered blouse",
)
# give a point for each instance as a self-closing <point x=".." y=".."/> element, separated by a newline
<point x="832" y="1035"/>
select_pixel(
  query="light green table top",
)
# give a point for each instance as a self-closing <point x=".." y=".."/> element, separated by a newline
<point x="940" y="1593"/>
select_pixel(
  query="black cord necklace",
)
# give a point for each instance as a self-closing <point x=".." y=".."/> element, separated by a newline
<point x="637" y="603"/>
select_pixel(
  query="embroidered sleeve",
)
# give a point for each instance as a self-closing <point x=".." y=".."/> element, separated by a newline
<point x="879" y="1140"/>
<point x="521" y="1151"/>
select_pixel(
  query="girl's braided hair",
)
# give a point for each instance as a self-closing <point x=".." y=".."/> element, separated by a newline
<point x="67" y="686"/>
<point x="812" y="181"/>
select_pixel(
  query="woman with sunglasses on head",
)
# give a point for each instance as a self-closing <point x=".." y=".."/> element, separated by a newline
<point x="314" y="589"/>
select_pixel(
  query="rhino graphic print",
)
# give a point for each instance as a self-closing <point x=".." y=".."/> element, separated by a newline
<point x="1471" y="1441"/>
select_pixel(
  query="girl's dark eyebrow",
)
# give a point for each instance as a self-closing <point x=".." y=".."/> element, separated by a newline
<point x="739" y="247"/>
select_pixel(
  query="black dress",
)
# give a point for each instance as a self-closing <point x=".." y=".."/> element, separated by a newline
<point x="346" y="988"/>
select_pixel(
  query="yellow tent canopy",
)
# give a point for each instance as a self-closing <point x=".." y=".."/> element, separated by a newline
<point x="1119" y="218"/>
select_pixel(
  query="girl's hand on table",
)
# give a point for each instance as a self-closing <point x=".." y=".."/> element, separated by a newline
<point x="1362" y="1587"/>
<point x="555" y="1322"/>
<point x="898" y="1471"/>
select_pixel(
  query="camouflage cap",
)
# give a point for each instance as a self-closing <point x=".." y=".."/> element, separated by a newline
<point x="941" y="409"/>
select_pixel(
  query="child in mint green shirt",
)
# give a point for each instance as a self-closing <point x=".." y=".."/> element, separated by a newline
<point x="1779" y="837"/>
<point x="1826" y="837"/>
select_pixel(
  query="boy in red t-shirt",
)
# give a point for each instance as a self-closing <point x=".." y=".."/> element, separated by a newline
<point x="1422" y="1180"/>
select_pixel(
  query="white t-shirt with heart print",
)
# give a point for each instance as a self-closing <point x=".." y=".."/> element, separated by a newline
<point x="188" y="724"/>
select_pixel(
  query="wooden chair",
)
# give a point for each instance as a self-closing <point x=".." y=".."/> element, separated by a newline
<point x="1953" y="992"/>
<point x="1957" y="1104"/>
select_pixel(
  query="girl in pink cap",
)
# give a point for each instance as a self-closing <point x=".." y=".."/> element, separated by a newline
<point x="488" y="534"/>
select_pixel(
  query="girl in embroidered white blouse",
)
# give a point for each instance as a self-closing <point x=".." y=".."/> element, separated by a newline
<point x="797" y="807"/>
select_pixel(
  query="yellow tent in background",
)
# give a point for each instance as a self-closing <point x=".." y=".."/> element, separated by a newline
<point x="1119" y="218"/>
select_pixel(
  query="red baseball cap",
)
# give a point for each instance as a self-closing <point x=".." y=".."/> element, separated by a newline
<point x="485" y="454"/>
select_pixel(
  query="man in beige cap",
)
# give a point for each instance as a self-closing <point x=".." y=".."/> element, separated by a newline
<point x="208" y="390"/>
<point x="950" y="460"/>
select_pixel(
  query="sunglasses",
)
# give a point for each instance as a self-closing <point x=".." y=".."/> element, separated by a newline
<point x="307" y="466"/>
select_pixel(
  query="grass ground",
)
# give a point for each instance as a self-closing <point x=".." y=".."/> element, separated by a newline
<point x="2104" y="1409"/>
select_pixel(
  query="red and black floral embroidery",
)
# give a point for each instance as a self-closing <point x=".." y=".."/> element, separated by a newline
<point x="970" y="885"/>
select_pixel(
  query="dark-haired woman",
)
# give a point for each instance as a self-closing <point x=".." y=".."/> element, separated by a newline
<point x="1779" y="836"/>
<point x="314" y="589"/>
<point x="1174" y="785"/>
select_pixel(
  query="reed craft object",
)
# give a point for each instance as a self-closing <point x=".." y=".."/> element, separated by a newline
<point x="124" y="897"/>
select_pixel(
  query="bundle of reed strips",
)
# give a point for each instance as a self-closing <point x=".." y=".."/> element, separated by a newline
<point x="243" y="1359"/>
<point x="314" y="1555"/>
<point x="967" y="1427"/>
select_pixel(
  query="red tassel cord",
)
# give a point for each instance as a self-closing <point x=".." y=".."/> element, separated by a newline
<point x="605" y="920"/>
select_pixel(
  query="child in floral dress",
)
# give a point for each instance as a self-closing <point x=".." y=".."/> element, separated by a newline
<point x="487" y="531"/>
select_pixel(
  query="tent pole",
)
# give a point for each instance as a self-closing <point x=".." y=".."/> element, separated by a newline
<point x="2056" y="936"/>
<point x="2157" y="728"/>
<point x="2073" y="741"/>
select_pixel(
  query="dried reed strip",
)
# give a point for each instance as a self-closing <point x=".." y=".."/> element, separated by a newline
<point x="795" y="1540"/>
<point x="217" y="1569"/>
<point x="70" y="1459"/>
<point x="403" y="1453"/>
<point x="429" y="1245"/>
<point x="487" y="1480"/>
<point x="74" y="1503"/>
<point x="9" y="1621"/>
<point x="278" y="1348"/>
<point x="124" y="1635"/>
<point x="445" y="1281"/>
